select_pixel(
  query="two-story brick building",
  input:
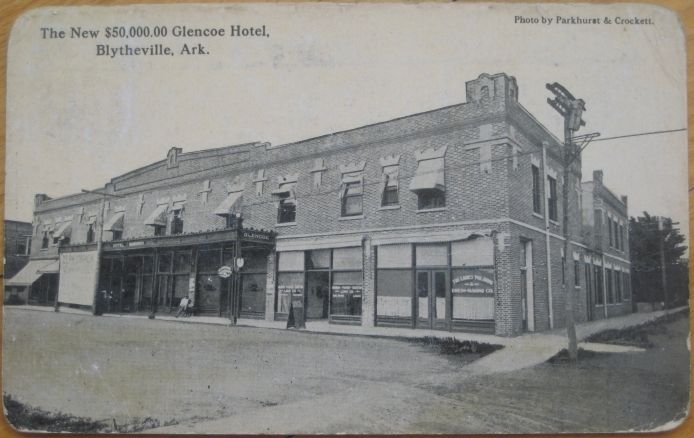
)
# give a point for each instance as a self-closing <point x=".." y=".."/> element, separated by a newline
<point x="448" y="219"/>
<point x="17" y="246"/>
<point x="607" y="266"/>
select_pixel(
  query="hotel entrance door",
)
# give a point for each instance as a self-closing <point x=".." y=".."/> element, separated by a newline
<point x="432" y="289"/>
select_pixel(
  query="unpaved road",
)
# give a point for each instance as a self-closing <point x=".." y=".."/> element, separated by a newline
<point x="235" y="380"/>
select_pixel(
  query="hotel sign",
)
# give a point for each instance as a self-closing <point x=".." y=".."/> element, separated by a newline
<point x="256" y="235"/>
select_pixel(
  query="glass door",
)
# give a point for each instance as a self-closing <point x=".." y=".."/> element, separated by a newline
<point x="432" y="288"/>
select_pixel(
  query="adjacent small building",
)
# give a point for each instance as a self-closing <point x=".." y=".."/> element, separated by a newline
<point x="448" y="219"/>
<point x="17" y="251"/>
<point x="607" y="264"/>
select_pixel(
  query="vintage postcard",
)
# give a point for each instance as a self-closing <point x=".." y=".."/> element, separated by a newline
<point x="346" y="218"/>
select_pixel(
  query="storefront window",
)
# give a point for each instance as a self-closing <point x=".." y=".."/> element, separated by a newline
<point x="432" y="255"/>
<point x="346" y="293"/>
<point x="291" y="261"/>
<point x="209" y="289"/>
<point x="318" y="259"/>
<point x="182" y="262"/>
<point x="253" y="294"/>
<point x="209" y="260"/>
<point x="475" y="252"/>
<point x="165" y="262"/>
<point x="148" y="264"/>
<point x="394" y="288"/>
<point x="146" y="294"/>
<point x="347" y="258"/>
<point x="472" y="281"/>
<point x="288" y="284"/>
<point x="395" y="256"/>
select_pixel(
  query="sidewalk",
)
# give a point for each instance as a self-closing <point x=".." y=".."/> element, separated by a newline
<point x="519" y="352"/>
<point x="529" y="350"/>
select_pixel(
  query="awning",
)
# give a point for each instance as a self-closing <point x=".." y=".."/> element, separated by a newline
<point x="232" y="201"/>
<point x="390" y="176"/>
<point x="64" y="230"/>
<point x="51" y="268"/>
<point x="285" y="189"/>
<point x="429" y="175"/>
<point x="115" y="223"/>
<point x="309" y="243"/>
<point x="429" y="237"/>
<point x="29" y="273"/>
<point x="158" y="216"/>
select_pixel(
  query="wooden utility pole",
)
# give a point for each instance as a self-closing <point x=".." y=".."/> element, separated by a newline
<point x="571" y="109"/>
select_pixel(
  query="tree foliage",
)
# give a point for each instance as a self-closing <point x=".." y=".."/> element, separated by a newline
<point x="644" y="238"/>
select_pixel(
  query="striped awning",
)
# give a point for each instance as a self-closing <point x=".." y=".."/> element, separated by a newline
<point x="230" y="203"/>
<point x="429" y="175"/>
<point x="158" y="216"/>
<point x="63" y="230"/>
<point x="115" y="223"/>
<point x="30" y="273"/>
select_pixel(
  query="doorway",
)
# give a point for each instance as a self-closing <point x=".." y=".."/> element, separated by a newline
<point x="317" y="294"/>
<point x="432" y="289"/>
<point x="527" y="288"/>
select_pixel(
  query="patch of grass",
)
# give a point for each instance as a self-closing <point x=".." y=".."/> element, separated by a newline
<point x="25" y="417"/>
<point x="28" y="418"/>
<point x="453" y="346"/>
<point x="563" y="356"/>
<point x="637" y="336"/>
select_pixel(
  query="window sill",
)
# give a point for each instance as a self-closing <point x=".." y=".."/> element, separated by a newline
<point x="431" y="210"/>
<point x="286" y="224"/>
<point x="538" y="215"/>
<point x="390" y="207"/>
<point x="349" y="218"/>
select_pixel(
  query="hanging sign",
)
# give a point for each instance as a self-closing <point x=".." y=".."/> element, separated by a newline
<point x="224" y="271"/>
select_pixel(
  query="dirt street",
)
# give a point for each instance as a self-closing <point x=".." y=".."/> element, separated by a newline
<point x="206" y="378"/>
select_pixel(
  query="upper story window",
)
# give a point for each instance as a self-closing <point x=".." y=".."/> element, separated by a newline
<point x="23" y="246"/>
<point x="552" y="198"/>
<point x="286" y="202"/>
<point x="90" y="232"/>
<point x="158" y="218"/>
<point x="230" y="207"/>
<point x="428" y="199"/>
<point x="352" y="193"/>
<point x="429" y="179"/>
<point x="389" y="195"/>
<point x="63" y="233"/>
<point x="537" y="200"/>
<point x="114" y="225"/>
<point x="177" y="221"/>
<point x="609" y="230"/>
<point x="45" y="240"/>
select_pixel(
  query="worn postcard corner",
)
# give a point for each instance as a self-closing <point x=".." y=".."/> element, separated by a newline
<point x="346" y="218"/>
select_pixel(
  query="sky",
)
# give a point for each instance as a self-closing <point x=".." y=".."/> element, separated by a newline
<point x="75" y="120"/>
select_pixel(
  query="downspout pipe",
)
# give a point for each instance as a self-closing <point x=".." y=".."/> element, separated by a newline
<point x="547" y="236"/>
